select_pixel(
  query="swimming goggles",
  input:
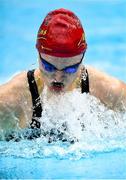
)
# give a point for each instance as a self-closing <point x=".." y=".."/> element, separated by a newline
<point x="51" y="68"/>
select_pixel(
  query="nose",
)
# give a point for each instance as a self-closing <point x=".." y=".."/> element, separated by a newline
<point x="59" y="75"/>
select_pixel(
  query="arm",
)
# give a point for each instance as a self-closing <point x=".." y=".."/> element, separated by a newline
<point x="9" y="116"/>
<point x="15" y="103"/>
<point x="111" y="91"/>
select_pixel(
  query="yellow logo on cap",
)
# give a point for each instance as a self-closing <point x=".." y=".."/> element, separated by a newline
<point x="81" y="42"/>
<point x="83" y="37"/>
<point x="43" y="32"/>
<point x="46" y="48"/>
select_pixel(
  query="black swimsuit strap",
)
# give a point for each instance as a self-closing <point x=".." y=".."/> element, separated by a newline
<point x="84" y="81"/>
<point x="37" y="108"/>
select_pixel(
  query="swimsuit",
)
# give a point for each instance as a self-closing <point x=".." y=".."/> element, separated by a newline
<point x="37" y="107"/>
<point x="34" y="131"/>
<point x="35" y="125"/>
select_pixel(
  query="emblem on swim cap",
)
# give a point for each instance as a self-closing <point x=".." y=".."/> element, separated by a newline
<point x="61" y="34"/>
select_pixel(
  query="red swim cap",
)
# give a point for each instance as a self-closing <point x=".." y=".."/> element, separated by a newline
<point x="61" y="34"/>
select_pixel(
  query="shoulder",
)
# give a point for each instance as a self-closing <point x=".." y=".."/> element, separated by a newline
<point x="97" y="77"/>
<point x="15" y="97"/>
<point x="110" y="90"/>
<point x="16" y="90"/>
<point x="17" y="82"/>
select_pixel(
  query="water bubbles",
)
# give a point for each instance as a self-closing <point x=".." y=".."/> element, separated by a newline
<point x="84" y="116"/>
<point x="73" y="126"/>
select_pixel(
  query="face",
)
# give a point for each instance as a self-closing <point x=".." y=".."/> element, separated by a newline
<point x="59" y="73"/>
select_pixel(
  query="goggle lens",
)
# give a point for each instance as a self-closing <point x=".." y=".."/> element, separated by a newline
<point x="50" y="68"/>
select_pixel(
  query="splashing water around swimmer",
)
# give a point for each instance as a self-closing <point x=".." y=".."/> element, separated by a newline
<point x="89" y="123"/>
<point x="85" y="116"/>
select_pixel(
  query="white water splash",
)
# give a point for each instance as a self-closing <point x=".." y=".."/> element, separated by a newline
<point x="94" y="127"/>
<point x="86" y="117"/>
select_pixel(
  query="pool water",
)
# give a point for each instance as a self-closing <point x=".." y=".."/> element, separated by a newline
<point x="102" y="166"/>
<point x="100" y="151"/>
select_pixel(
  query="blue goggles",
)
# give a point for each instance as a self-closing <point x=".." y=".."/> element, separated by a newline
<point x="51" y="68"/>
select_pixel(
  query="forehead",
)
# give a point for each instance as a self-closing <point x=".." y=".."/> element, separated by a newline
<point x="61" y="60"/>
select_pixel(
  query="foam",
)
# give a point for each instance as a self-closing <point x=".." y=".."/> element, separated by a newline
<point x="96" y="128"/>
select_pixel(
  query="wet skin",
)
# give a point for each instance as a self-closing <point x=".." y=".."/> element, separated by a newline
<point x="59" y="81"/>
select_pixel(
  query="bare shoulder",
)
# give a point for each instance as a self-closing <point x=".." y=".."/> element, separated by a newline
<point x="108" y="89"/>
<point x="12" y="89"/>
<point x="15" y="98"/>
<point x="97" y="75"/>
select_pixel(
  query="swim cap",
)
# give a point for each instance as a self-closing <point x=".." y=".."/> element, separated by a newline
<point x="61" y="34"/>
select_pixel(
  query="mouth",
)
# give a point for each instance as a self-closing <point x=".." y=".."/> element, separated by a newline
<point x="57" y="86"/>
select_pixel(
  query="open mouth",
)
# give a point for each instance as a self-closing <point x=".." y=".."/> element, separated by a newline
<point x="57" y="86"/>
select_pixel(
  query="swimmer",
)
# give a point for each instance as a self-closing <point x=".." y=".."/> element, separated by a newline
<point x="61" y="46"/>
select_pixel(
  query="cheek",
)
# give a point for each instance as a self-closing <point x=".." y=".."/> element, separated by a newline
<point x="70" y="77"/>
<point x="46" y="75"/>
